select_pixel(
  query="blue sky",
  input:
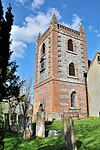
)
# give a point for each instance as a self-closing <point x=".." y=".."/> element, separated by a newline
<point x="33" y="16"/>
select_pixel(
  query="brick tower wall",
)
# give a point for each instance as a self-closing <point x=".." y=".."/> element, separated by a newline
<point x="53" y="87"/>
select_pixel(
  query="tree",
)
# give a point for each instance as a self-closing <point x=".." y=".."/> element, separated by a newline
<point x="9" y="81"/>
<point x="5" y="52"/>
<point x="27" y="106"/>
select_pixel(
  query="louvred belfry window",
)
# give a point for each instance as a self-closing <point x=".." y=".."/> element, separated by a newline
<point x="42" y="65"/>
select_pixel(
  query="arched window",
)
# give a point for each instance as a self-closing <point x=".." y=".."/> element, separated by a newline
<point x="43" y="49"/>
<point x="73" y="99"/>
<point x="70" y="45"/>
<point x="71" y="69"/>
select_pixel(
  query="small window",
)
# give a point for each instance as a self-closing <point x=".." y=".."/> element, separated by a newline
<point x="71" y="69"/>
<point x="42" y="65"/>
<point x="43" y="49"/>
<point x="70" y="45"/>
<point x="73" y="99"/>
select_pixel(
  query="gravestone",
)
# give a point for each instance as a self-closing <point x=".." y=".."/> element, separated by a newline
<point x="20" y="123"/>
<point x="27" y="134"/>
<point x="40" y="124"/>
<point x="69" y="134"/>
<point x="6" y="113"/>
<point x="14" y="126"/>
<point x="29" y="124"/>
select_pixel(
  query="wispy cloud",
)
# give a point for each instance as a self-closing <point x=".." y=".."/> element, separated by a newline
<point x="92" y="29"/>
<point x="22" y="2"/>
<point x="31" y="4"/>
<point x="27" y="33"/>
<point x="64" y="6"/>
<point x="37" y="3"/>
<point x="76" y="20"/>
<point x="98" y="35"/>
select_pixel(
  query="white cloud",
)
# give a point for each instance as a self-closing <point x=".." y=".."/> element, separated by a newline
<point x="37" y="3"/>
<point x="18" y="49"/>
<point x="76" y="20"/>
<point x="30" y="4"/>
<point x="32" y="25"/>
<point x="30" y="29"/>
<point x="52" y="11"/>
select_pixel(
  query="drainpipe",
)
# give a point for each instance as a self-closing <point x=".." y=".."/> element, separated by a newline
<point x="85" y="75"/>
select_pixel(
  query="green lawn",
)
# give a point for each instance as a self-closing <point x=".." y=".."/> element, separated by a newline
<point x="87" y="135"/>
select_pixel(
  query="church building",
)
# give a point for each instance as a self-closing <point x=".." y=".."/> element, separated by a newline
<point x="61" y="61"/>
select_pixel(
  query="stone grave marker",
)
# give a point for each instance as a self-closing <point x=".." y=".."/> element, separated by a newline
<point x="40" y="124"/>
<point x="29" y="124"/>
<point x="27" y="134"/>
<point x="69" y="134"/>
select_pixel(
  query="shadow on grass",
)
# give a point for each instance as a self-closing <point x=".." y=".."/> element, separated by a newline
<point x="54" y="147"/>
<point x="12" y="140"/>
<point x="78" y="144"/>
<point x="54" y="143"/>
<point x="48" y="122"/>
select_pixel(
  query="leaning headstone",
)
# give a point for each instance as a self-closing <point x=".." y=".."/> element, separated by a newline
<point x="27" y="134"/>
<point x="14" y="126"/>
<point x="69" y="133"/>
<point x="21" y="123"/>
<point x="40" y="124"/>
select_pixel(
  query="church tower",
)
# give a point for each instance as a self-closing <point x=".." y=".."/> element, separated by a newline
<point x="61" y="60"/>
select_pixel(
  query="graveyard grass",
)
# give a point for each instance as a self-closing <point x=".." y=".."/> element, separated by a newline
<point x="87" y="133"/>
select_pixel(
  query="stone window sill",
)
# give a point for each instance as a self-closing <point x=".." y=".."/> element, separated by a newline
<point x="73" y="77"/>
<point x="74" y="108"/>
<point x="72" y="52"/>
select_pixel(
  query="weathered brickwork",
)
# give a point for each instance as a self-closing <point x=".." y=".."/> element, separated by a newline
<point x="54" y="87"/>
